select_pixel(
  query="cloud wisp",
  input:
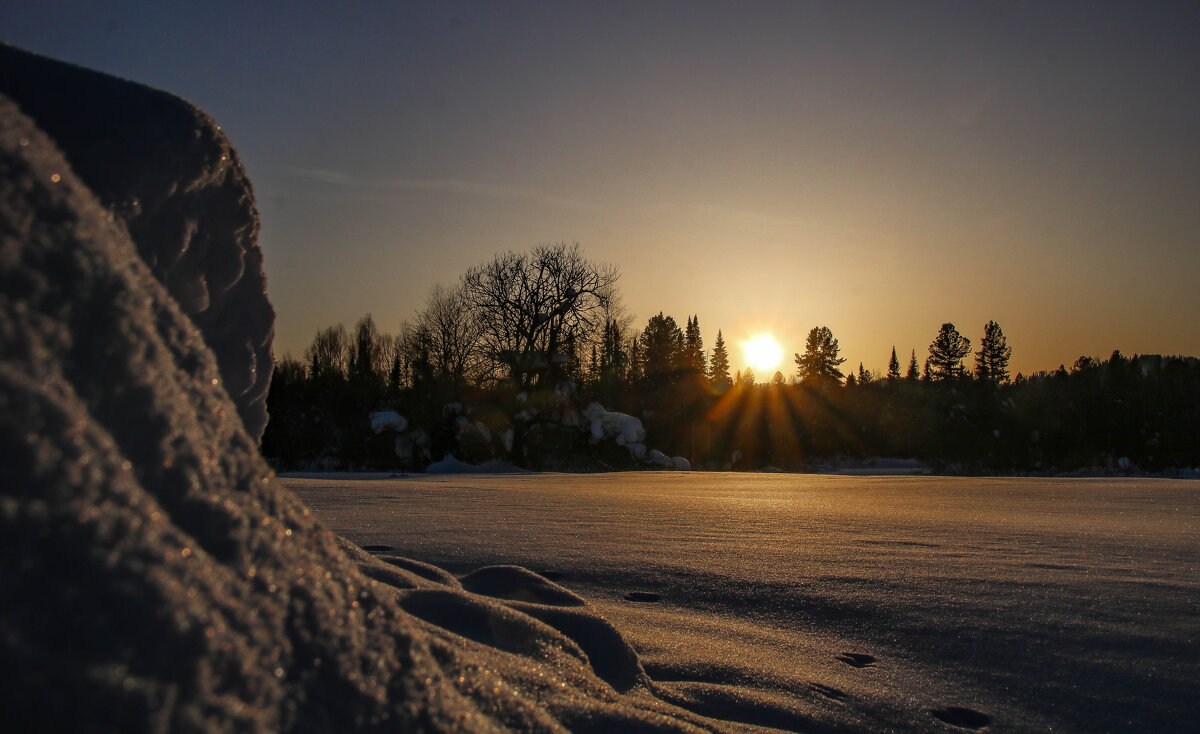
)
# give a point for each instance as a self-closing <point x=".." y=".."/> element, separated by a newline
<point x="451" y="186"/>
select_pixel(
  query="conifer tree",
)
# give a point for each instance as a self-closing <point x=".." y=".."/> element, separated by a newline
<point x="718" y="364"/>
<point x="946" y="352"/>
<point x="693" y="346"/>
<point x="747" y="378"/>
<point x="991" y="361"/>
<point x="662" y="355"/>
<point x="912" y="373"/>
<point x="893" y="372"/>
<point x="850" y="381"/>
<point x="820" y="361"/>
<point x="864" y="376"/>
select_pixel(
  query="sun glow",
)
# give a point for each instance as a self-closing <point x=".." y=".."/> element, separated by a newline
<point x="763" y="352"/>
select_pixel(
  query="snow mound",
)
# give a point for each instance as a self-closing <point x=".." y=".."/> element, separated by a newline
<point x="624" y="430"/>
<point x="157" y="577"/>
<point x="387" y="419"/>
<point x="167" y="173"/>
<point x="451" y="465"/>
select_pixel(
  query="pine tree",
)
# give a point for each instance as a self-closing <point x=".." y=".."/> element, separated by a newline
<point x="662" y="354"/>
<point x="912" y="373"/>
<point x="747" y="378"/>
<point x="693" y="346"/>
<point x="893" y="373"/>
<point x="820" y="361"/>
<point x="614" y="361"/>
<point x="778" y="380"/>
<point x="946" y="352"/>
<point x="850" y="381"/>
<point x="718" y="364"/>
<point x="991" y="361"/>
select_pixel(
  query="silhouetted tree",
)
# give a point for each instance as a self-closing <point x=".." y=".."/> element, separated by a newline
<point x="819" y="363"/>
<point x="368" y="357"/>
<point x="946" y="352"/>
<point x="913" y="374"/>
<point x="778" y="380"/>
<point x="851" y="381"/>
<point x="991" y="361"/>
<point x="893" y="372"/>
<point x="718" y="364"/>
<point x="746" y="378"/>
<point x="452" y="335"/>
<point x="864" y="376"/>
<point x="693" y="347"/>
<point x="662" y="351"/>
<point x="531" y="307"/>
<point x="614" y="361"/>
<point x="329" y="354"/>
<point x="1083" y="364"/>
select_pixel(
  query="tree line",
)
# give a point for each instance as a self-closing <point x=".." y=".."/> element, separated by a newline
<point x="501" y="365"/>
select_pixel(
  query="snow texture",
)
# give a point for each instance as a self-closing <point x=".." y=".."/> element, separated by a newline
<point x="156" y="576"/>
<point x="841" y="603"/>
<point x="171" y="179"/>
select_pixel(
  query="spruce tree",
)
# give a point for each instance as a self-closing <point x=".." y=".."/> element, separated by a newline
<point x="991" y="361"/>
<point x="893" y="372"/>
<point x="946" y="352"/>
<point x="718" y="364"/>
<point x="913" y="371"/>
<point x="693" y="346"/>
<point x="662" y="355"/>
<point x="820" y="361"/>
<point x="864" y="376"/>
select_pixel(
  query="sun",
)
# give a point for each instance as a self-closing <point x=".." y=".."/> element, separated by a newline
<point x="763" y="352"/>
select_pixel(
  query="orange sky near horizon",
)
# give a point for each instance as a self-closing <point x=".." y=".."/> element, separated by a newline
<point x="877" y="168"/>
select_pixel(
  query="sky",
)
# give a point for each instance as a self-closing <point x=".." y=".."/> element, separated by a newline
<point x="877" y="168"/>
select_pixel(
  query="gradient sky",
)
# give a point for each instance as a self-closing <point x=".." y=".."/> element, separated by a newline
<point x="879" y="168"/>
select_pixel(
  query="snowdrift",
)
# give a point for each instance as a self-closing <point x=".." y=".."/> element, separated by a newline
<point x="156" y="575"/>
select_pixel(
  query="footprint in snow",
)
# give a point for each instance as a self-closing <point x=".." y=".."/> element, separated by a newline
<point x="857" y="660"/>
<point x="964" y="718"/>
<point x="642" y="596"/>
<point x="828" y="691"/>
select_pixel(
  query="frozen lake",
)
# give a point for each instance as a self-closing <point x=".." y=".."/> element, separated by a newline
<point x="827" y="602"/>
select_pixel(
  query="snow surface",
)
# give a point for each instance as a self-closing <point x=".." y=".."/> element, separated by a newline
<point x="826" y="603"/>
<point x="451" y="465"/>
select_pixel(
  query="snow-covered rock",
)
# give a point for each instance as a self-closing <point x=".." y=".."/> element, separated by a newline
<point x="624" y="430"/>
<point x="658" y="458"/>
<point x="385" y="419"/>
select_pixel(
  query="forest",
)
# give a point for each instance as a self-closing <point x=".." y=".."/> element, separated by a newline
<point x="530" y="354"/>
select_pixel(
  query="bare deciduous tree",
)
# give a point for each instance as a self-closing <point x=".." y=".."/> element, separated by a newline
<point x="535" y="308"/>
<point x="329" y="353"/>
<point x="450" y="334"/>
